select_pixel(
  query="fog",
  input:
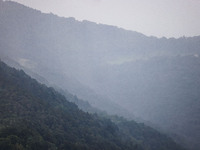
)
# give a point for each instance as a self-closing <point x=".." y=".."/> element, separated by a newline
<point x="118" y="71"/>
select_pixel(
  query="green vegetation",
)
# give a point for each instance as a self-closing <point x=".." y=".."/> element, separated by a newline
<point x="35" y="117"/>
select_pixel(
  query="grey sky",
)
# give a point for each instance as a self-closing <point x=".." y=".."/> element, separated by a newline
<point x="169" y="18"/>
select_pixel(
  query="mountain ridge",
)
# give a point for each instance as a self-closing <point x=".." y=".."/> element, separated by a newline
<point x="91" y="60"/>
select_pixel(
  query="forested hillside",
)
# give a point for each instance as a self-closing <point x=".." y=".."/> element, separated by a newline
<point x="33" y="116"/>
<point x="114" y="70"/>
<point x="36" y="117"/>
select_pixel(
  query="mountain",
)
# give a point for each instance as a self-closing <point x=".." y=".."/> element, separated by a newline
<point x="34" y="116"/>
<point x="164" y="91"/>
<point x="118" y="71"/>
<point x="50" y="53"/>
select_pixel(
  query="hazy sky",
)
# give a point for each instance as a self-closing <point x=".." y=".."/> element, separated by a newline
<point x="170" y="18"/>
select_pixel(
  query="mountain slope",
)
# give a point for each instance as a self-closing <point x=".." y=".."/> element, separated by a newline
<point x="169" y="89"/>
<point x="55" y="49"/>
<point x="36" y="117"/>
<point x="155" y="79"/>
